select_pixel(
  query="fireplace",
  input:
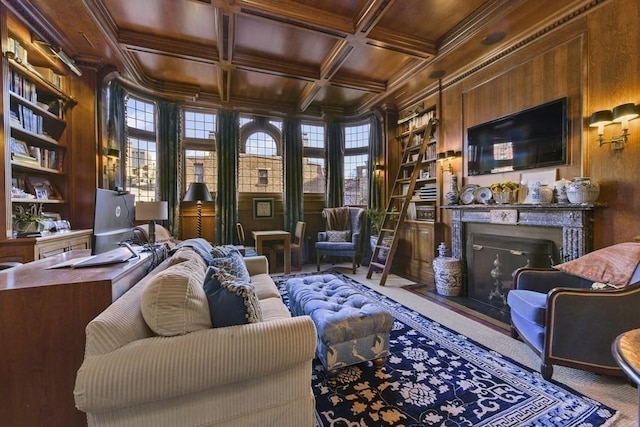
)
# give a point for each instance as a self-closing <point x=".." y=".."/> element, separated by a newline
<point x="492" y="259"/>
<point x="494" y="240"/>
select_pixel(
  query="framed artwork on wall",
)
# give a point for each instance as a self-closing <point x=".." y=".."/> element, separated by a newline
<point x="263" y="208"/>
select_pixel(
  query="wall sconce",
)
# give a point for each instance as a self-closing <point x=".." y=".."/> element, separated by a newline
<point x="378" y="168"/>
<point x="448" y="156"/>
<point x="621" y="114"/>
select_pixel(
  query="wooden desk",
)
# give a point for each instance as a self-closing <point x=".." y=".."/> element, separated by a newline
<point x="43" y="315"/>
<point x="626" y="352"/>
<point x="279" y="235"/>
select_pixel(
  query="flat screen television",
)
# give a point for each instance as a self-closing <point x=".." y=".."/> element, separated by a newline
<point x="532" y="138"/>
<point x="113" y="220"/>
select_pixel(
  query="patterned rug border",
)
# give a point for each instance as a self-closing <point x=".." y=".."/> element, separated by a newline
<point x="420" y="322"/>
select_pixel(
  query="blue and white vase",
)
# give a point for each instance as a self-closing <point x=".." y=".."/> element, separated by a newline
<point x="582" y="190"/>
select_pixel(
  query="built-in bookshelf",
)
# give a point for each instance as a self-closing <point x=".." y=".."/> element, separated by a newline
<point x="36" y="140"/>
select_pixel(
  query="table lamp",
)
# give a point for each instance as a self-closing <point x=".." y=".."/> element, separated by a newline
<point x="198" y="192"/>
<point x="152" y="212"/>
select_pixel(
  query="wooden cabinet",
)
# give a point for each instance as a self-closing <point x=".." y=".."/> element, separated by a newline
<point x="31" y="249"/>
<point x="417" y="245"/>
<point x="43" y="315"/>
<point x="35" y="108"/>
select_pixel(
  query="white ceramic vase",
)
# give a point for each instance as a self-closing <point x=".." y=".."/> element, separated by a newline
<point x="582" y="190"/>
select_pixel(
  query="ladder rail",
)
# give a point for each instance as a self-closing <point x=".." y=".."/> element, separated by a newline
<point x="394" y="217"/>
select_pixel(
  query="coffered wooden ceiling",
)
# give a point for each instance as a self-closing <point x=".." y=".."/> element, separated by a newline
<point x="305" y="57"/>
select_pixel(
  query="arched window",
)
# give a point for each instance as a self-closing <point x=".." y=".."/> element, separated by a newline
<point x="260" y="168"/>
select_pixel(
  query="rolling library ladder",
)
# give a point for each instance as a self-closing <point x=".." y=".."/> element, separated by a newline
<point x="409" y="172"/>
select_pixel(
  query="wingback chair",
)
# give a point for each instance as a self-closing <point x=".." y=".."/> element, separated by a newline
<point x="569" y="320"/>
<point x="341" y="241"/>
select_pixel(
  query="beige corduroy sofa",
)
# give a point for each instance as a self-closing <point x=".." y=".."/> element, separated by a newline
<point x="256" y="374"/>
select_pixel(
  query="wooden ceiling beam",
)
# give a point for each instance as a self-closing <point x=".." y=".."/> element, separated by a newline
<point x="144" y="42"/>
<point x="275" y="67"/>
<point x="371" y="14"/>
<point x="402" y="43"/>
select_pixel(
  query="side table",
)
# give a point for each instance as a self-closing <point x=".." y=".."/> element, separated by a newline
<point x="626" y="352"/>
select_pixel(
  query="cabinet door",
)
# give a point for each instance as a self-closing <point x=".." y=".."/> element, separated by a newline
<point x="80" y="243"/>
<point x="45" y="250"/>
<point x="423" y="243"/>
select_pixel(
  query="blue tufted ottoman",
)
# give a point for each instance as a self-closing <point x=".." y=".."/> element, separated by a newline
<point x="351" y="328"/>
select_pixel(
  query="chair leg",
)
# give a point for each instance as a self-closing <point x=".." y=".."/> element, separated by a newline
<point x="354" y="265"/>
<point x="546" y="371"/>
<point x="318" y="259"/>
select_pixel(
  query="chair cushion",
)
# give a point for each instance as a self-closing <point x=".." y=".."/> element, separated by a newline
<point x="530" y="305"/>
<point x="326" y="247"/>
<point x="615" y="265"/>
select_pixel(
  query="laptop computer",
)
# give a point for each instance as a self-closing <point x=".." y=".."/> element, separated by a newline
<point x="113" y="256"/>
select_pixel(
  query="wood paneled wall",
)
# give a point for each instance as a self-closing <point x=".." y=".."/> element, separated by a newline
<point x="592" y="60"/>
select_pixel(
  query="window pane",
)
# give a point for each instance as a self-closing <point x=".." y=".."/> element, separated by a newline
<point x="199" y="125"/>
<point x="200" y="166"/>
<point x="356" y="174"/>
<point x="141" y="169"/>
<point x="260" y="166"/>
<point x="356" y="136"/>
<point x="141" y="115"/>
<point x="313" y="170"/>
<point x="245" y="120"/>
<point x="356" y="182"/>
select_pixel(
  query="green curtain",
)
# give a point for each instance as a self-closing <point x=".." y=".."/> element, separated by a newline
<point x="168" y="163"/>
<point x="116" y="128"/>
<point x="227" y="146"/>
<point x="335" y="164"/>
<point x="375" y="158"/>
<point x="293" y="191"/>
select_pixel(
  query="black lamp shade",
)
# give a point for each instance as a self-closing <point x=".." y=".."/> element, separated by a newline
<point x="602" y="117"/>
<point x="624" y="112"/>
<point x="197" y="192"/>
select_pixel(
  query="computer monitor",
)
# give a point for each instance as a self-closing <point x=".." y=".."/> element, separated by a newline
<point x="113" y="220"/>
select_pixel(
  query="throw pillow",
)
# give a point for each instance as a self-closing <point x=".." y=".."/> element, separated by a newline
<point x="223" y="251"/>
<point x="338" y="236"/>
<point x="231" y="300"/>
<point x="233" y="265"/>
<point x="199" y="245"/>
<point x="174" y="303"/>
<point x="614" y="265"/>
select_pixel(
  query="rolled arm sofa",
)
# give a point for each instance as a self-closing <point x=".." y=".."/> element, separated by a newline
<point x="568" y="320"/>
<point x="242" y="375"/>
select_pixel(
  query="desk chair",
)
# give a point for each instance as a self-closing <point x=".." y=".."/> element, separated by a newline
<point x="244" y="250"/>
<point x="297" y="244"/>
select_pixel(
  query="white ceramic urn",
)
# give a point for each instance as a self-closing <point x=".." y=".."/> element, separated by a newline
<point x="583" y="190"/>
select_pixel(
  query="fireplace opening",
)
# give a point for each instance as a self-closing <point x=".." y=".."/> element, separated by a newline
<point x="493" y="259"/>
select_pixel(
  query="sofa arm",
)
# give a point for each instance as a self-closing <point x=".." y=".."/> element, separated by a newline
<point x="544" y="279"/>
<point x="167" y="367"/>
<point x="257" y="265"/>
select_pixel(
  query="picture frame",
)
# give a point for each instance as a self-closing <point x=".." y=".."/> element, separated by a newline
<point x="263" y="208"/>
<point x="41" y="193"/>
<point x="20" y="147"/>
<point x="41" y="186"/>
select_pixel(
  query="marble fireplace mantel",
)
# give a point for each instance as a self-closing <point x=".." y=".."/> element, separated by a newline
<point x="574" y="220"/>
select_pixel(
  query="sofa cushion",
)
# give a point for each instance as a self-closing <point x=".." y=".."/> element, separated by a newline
<point x="616" y="265"/>
<point x="223" y="251"/>
<point x="199" y="245"/>
<point x="233" y="265"/>
<point x="273" y="309"/>
<point x="174" y="303"/>
<point x="231" y="300"/>
<point x="187" y="254"/>
<point x="264" y="286"/>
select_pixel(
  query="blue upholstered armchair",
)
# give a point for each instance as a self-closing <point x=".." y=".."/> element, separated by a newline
<point x="342" y="239"/>
<point x="567" y="322"/>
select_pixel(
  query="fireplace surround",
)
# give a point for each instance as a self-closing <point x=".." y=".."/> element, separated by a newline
<point x="494" y="240"/>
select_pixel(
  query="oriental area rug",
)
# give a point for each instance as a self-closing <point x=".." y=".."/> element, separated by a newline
<point x="436" y="377"/>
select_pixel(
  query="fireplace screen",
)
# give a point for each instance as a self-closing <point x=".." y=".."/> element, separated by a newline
<point x="492" y="260"/>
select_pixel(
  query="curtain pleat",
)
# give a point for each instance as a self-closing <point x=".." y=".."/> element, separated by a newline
<point x="293" y="191"/>
<point x="335" y="164"/>
<point x="116" y="127"/>
<point x="227" y="146"/>
<point x="375" y="180"/>
<point x="169" y="160"/>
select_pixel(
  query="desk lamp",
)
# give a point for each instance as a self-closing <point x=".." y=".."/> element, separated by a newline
<point x="152" y="212"/>
<point x="198" y="192"/>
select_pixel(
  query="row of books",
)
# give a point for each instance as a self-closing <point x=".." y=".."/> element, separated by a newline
<point x="27" y="119"/>
<point x="23" y="87"/>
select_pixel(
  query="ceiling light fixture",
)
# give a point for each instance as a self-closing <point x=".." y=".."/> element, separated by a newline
<point x="493" y="38"/>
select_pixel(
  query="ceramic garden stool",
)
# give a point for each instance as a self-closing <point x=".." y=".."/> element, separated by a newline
<point x="351" y="328"/>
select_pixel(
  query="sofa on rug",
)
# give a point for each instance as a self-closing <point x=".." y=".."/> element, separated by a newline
<point x="153" y="358"/>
